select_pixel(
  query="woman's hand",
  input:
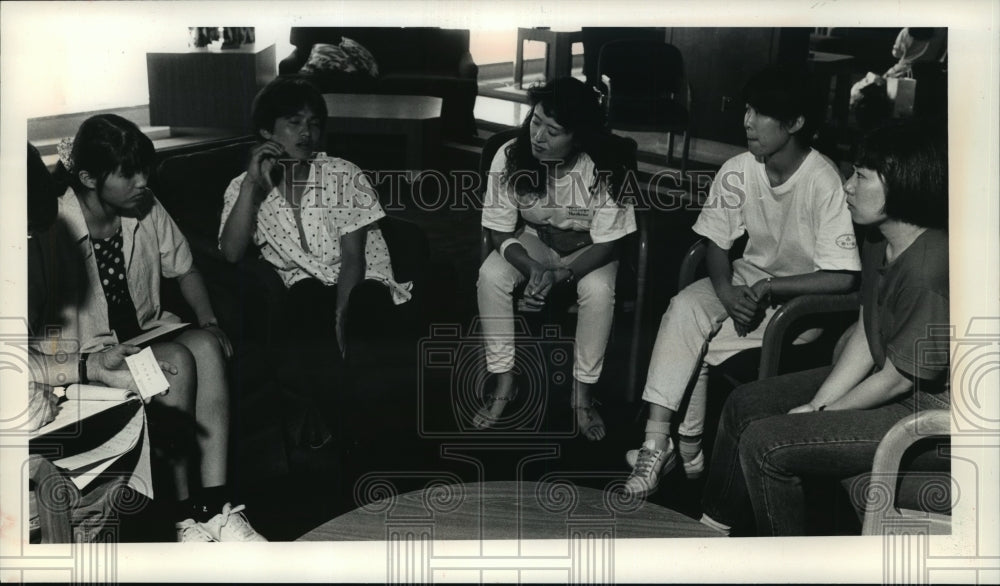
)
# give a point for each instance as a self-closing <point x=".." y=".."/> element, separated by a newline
<point x="741" y="306"/>
<point x="42" y="405"/>
<point x="215" y="330"/>
<point x="263" y="158"/>
<point x="807" y="408"/>
<point x="540" y="283"/>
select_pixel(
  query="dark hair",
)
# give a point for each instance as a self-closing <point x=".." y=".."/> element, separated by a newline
<point x="42" y="193"/>
<point x="785" y="93"/>
<point x="912" y="162"/>
<point x="920" y="33"/>
<point x="284" y="97"/>
<point x="104" y="144"/>
<point x="576" y="107"/>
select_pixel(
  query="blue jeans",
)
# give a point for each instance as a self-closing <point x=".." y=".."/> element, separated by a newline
<point x="761" y="453"/>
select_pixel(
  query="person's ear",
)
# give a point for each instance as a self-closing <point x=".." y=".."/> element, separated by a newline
<point x="796" y="125"/>
<point x="87" y="180"/>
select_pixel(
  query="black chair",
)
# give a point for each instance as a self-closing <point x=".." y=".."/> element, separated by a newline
<point x="647" y="90"/>
<point x="631" y="281"/>
<point x="835" y="311"/>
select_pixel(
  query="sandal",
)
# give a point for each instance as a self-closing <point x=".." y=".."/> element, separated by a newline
<point x="590" y="422"/>
<point x="485" y="418"/>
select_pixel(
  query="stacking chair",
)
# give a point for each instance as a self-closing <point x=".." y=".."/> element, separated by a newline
<point x="835" y="311"/>
<point x="630" y="288"/>
<point x="647" y="90"/>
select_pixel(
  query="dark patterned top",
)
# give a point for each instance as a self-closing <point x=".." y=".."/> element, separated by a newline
<point x="111" y="269"/>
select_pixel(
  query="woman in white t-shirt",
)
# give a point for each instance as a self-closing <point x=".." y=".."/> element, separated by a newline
<point x="563" y="177"/>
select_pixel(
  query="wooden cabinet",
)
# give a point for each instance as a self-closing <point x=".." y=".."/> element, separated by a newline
<point x="207" y="87"/>
<point x="719" y="61"/>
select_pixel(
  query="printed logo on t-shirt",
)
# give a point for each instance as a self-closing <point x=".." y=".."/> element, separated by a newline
<point x="847" y="241"/>
<point x="578" y="213"/>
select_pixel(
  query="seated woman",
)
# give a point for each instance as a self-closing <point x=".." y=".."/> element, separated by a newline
<point x="561" y="177"/>
<point x="788" y="199"/>
<point x="313" y="217"/>
<point x="829" y="421"/>
<point x="111" y="244"/>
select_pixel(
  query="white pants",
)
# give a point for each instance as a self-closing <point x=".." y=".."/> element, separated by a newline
<point x="595" y="295"/>
<point x="696" y="332"/>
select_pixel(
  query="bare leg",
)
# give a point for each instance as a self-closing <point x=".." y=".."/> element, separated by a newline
<point x="180" y="396"/>
<point x="661" y="416"/>
<point x="488" y="415"/>
<point x="212" y="405"/>
<point x="588" y="420"/>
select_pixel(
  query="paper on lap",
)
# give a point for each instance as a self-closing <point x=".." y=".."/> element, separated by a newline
<point x="155" y="333"/>
<point x="147" y="373"/>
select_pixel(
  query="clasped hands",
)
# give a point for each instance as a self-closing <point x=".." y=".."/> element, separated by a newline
<point x="540" y="282"/>
<point x="746" y="305"/>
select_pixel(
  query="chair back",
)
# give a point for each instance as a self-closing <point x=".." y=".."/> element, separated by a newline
<point x="647" y="87"/>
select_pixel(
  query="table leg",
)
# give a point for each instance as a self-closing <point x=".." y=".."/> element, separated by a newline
<point x="559" y="58"/>
<point x="519" y="61"/>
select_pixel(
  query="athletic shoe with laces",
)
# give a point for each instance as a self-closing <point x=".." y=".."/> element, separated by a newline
<point x="191" y="531"/>
<point x="693" y="469"/>
<point x="650" y="465"/>
<point x="231" y="525"/>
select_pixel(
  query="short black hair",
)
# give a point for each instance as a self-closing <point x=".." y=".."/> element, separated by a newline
<point x="107" y="143"/>
<point x="912" y="162"/>
<point x="784" y="93"/>
<point x="284" y="97"/>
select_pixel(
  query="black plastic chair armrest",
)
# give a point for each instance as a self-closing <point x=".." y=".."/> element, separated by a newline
<point x="467" y="68"/>
<point x="793" y="310"/>
<point x="689" y="265"/>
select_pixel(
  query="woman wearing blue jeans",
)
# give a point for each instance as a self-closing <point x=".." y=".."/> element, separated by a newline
<point x="829" y="421"/>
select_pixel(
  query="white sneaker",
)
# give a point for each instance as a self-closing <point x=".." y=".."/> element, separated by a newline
<point x="231" y="525"/>
<point x="693" y="469"/>
<point x="650" y="465"/>
<point x="191" y="531"/>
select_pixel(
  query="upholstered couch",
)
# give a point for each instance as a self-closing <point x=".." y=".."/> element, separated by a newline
<point x="423" y="61"/>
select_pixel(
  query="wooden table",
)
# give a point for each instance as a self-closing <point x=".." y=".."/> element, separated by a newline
<point x="558" y="51"/>
<point x="416" y="118"/>
<point x="507" y="510"/>
<point x="207" y="87"/>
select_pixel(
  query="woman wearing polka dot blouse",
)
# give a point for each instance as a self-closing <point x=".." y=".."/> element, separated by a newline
<point x="115" y="244"/>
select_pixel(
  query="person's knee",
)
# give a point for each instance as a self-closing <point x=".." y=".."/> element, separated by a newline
<point x="203" y="345"/>
<point x="755" y="444"/>
<point x="596" y="292"/>
<point x="182" y="384"/>
<point x="495" y="275"/>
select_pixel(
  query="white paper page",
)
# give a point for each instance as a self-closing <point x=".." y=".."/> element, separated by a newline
<point x="74" y="411"/>
<point x="121" y="442"/>
<point x="96" y="393"/>
<point x="147" y="337"/>
<point x="147" y="373"/>
<point x="83" y="479"/>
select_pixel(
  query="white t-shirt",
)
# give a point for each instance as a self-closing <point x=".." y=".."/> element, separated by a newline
<point x="342" y="202"/>
<point x="798" y="227"/>
<point x="574" y="203"/>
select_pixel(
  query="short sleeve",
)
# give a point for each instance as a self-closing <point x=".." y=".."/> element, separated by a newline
<point x="836" y="247"/>
<point x="175" y="254"/>
<point x="499" y="203"/>
<point x="919" y="342"/>
<point x="612" y="221"/>
<point x="352" y="200"/>
<point x="228" y="201"/>
<point x="721" y="218"/>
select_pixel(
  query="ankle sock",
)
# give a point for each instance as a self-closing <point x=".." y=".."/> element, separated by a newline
<point x="689" y="447"/>
<point x="205" y="503"/>
<point x="659" y="432"/>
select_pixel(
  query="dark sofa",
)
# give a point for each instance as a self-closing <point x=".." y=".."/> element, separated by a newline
<point x="424" y="61"/>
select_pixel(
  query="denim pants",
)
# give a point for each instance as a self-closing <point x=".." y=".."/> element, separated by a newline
<point x="761" y="453"/>
<point x="595" y="295"/>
